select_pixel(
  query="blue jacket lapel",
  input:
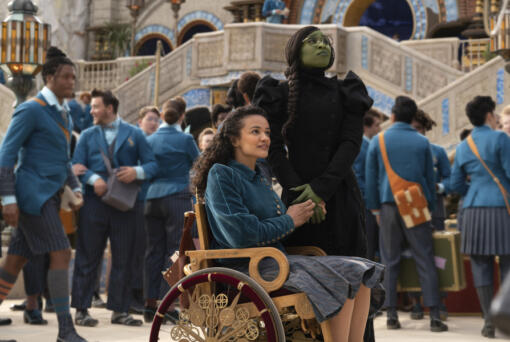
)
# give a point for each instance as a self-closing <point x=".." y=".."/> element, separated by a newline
<point x="55" y="115"/>
<point x="122" y="135"/>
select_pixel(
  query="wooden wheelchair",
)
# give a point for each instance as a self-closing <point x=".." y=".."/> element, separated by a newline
<point x="219" y="304"/>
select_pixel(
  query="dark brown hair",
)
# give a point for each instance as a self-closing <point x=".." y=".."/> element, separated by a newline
<point x="248" y="82"/>
<point x="221" y="149"/>
<point x="147" y="109"/>
<point x="107" y="97"/>
<point x="178" y="103"/>
<point x="370" y="116"/>
<point x="170" y="113"/>
<point x="217" y="110"/>
<point x="424" y="120"/>
<point x="55" y="58"/>
<point x="293" y="57"/>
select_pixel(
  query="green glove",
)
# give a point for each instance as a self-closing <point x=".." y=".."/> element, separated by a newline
<point x="308" y="194"/>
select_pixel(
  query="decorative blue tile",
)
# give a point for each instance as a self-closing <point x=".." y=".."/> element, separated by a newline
<point x="156" y="29"/>
<point x="189" y="55"/>
<point x="500" y="86"/>
<point x="364" y="52"/>
<point x="432" y="4"/>
<point x="409" y="74"/>
<point x="328" y="9"/>
<point x="382" y="101"/>
<point x="197" y="97"/>
<point x="445" y="114"/>
<point x="203" y="15"/>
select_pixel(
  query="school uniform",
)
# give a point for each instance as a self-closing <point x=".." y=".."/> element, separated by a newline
<point x="486" y="222"/>
<point x="37" y="142"/>
<point x="81" y="115"/>
<point x="371" y="227"/>
<point x="269" y="11"/>
<point x="99" y="221"/>
<point x="168" y="197"/>
<point x="410" y="156"/>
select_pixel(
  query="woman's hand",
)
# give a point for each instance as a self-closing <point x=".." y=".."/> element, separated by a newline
<point x="301" y="213"/>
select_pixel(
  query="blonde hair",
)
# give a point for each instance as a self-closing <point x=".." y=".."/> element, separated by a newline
<point x="506" y="111"/>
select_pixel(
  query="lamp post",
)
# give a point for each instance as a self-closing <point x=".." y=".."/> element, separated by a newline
<point x="24" y="39"/>
<point x="176" y="6"/>
<point x="134" y="6"/>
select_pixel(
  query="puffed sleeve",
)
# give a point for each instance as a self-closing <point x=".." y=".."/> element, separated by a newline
<point x="271" y="95"/>
<point x="232" y="224"/>
<point x="355" y="102"/>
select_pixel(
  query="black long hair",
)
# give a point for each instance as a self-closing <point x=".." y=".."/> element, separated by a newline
<point x="221" y="149"/>
<point x="293" y="57"/>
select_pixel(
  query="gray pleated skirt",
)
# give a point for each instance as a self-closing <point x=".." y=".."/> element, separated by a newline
<point x="328" y="281"/>
<point x="485" y="231"/>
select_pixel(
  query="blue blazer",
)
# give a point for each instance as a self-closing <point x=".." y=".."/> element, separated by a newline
<point x="410" y="156"/>
<point x="442" y="169"/>
<point x="131" y="149"/>
<point x="360" y="163"/>
<point x="243" y="210"/>
<point x="175" y="153"/>
<point x="482" y="191"/>
<point x="36" y="142"/>
<point x="269" y="7"/>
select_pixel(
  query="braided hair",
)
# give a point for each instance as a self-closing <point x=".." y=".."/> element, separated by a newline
<point x="55" y="58"/>
<point x="293" y="57"/>
<point x="221" y="149"/>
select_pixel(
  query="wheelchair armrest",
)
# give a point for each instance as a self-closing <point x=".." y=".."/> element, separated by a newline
<point x="254" y="254"/>
<point x="305" y="250"/>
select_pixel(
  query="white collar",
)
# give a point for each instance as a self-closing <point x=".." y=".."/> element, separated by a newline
<point x="52" y="100"/>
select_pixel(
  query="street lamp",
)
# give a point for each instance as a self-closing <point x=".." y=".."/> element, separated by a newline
<point x="134" y="6"/>
<point x="24" y="39"/>
<point x="176" y="6"/>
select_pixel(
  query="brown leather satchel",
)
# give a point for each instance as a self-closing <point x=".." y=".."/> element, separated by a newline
<point x="176" y="271"/>
<point x="411" y="202"/>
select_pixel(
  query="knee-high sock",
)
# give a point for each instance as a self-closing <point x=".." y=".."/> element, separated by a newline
<point x="7" y="281"/>
<point x="58" y="285"/>
<point x="485" y="294"/>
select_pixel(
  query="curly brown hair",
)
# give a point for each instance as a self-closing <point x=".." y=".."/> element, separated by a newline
<point x="221" y="149"/>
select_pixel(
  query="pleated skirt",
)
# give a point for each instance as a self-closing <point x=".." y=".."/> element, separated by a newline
<point x="485" y="231"/>
<point x="328" y="281"/>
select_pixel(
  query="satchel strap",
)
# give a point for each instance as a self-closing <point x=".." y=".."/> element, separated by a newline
<point x="108" y="161"/>
<point x="474" y="149"/>
<point x="64" y="130"/>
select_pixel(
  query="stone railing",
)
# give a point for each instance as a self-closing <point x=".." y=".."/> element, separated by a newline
<point x="447" y="105"/>
<point x="393" y="68"/>
<point x="175" y="77"/>
<point x="444" y="50"/>
<point x="107" y="74"/>
<point x="7" y="99"/>
<point x="211" y="59"/>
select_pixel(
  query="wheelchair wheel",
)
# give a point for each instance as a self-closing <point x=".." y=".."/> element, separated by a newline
<point x="224" y="306"/>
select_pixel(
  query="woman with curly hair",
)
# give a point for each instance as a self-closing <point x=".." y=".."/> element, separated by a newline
<point x="243" y="211"/>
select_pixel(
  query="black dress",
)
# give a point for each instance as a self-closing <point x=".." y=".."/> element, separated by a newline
<point x="322" y="147"/>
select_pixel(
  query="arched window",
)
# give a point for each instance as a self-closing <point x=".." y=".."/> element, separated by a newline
<point x="147" y="45"/>
<point x="192" y="28"/>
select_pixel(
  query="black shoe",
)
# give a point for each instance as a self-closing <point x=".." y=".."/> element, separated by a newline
<point x="393" y="324"/>
<point x="97" y="302"/>
<point x="148" y="314"/>
<point x="125" y="319"/>
<point x="83" y="318"/>
<point x="34" y="317"/>
<point x="72" y="336"/>
<point x="7" y="340"/>
<point x="417" y="312"/>
<point x="19" y="307"/>
<point x="437" y="326"/>
<point x="136" y="309"/>
<point x="489" y="330"/>
<point x="5" y="321"/>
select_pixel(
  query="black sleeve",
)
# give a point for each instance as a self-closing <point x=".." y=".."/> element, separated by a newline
<point x="355" y="102"/>
<point x="271" y="95"/>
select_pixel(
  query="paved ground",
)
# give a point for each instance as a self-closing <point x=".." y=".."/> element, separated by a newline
<point x="462" y="329"/>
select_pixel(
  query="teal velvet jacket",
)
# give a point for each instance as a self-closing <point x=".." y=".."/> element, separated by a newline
<point x="243" y="210"/>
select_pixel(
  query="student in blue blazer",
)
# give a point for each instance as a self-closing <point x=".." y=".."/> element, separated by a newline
<point x="37" y="142"/>
<point x="486" y="220"/>
<point x="274" y="11"/>
<point x="168" y="198"/>
<point x="410" y="156"/>
<point x="371" y="126"/>
<point x="133" y="160"/>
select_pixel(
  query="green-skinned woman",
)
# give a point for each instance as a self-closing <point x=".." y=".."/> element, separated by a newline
<point x="316" y="132"/>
